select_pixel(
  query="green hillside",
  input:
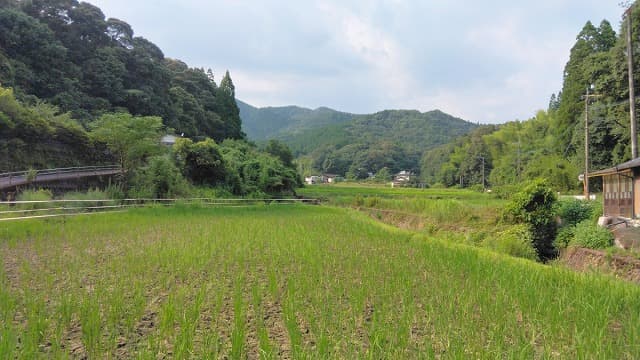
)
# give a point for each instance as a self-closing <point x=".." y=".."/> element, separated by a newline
<point x="275" y="122"/>
<point x="392" y="139"/>
<point x="68" y="54"/>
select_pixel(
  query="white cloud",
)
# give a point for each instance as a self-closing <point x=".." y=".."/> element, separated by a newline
<point x="382" y="54"/>
<point x="489" y="61"/>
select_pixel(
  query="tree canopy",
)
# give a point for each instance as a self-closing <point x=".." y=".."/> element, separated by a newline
<point x="67" y="53"/>
<point x="131" y="139"/>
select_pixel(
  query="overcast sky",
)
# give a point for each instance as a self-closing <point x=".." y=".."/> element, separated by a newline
<point x="483" y="61"/>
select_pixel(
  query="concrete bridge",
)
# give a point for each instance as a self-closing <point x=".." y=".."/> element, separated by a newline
<point x="13" y="180"/>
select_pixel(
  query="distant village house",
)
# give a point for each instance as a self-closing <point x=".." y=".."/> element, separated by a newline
<point x="322" y="179"/>
<point x="168" y="140"/>
<point x="403" y="178"/>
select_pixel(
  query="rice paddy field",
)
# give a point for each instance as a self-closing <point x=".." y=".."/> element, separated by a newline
<point x="291" y="282"/>
<point x="457" y="215"/>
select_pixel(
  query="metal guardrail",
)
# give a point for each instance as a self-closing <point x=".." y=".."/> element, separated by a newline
<point x="78" y="169"/>
<point x="22" y="210"/>
<point x="10" y="179"/>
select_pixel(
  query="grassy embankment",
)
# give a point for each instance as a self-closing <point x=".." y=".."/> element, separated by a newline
<point x="295" y="281"/>
<point x="456" y="215"/>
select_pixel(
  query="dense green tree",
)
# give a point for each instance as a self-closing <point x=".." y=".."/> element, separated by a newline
<point x="228" y="108"/>
<point x="106" y="76"/>
<point x="202" y="162"/>
<point x="35" y="59"/>
<point x="383" y="175"/>
<point x="186" y="112"/>
<point x="120" y="32"/>
<point x="554" y="102"/>
<point x="432" y="163"/>
<point x="158" y="179"/>
<point x="586" y="61"/>
<point x="281" y="151"/>
<point x="254" y="172"/>
<point x="131" y="139"/>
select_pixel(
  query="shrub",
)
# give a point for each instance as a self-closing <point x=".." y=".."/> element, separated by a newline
<point x="202" y="161"/>
<point x="575" y="211"/>
<point x="257" y="194"/>
<point x="477" y="188"/>
<point x="115" y="191"/>
<point x="91" y="194"/>
<point x="515" y="241"/>
<point x="596" y="210"/>
<point x="371" y="202"/>
<point x="34" y="195"/>
<point x="566" y="235"/>
<point x="534" y="206"/>
<point x="358" y="200"/>
<point x="592" y="236"/>
<point x="160" y="179"/>
<point x="31" y="175"/>
<point x="505" y="191"/>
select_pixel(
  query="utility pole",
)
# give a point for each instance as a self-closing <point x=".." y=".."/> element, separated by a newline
<point x="632" y="97"/>
<point x="586" y="97"/>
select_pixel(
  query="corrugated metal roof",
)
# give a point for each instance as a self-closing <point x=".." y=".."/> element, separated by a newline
<point x="616" y="169"/>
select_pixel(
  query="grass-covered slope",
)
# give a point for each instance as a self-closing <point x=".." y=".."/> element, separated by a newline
<point x="290" y="282"/>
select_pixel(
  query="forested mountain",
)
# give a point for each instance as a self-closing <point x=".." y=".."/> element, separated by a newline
<point x="551" y="144"/>
<point x="274" y="122"/>
<point x="391" y="139"/>
<point x="66" y="53"/>
<point x="79" y="89"/>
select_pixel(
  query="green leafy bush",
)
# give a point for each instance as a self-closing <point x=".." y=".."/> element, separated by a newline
<point x="201" y="162"/>
<point x="596" y="210"/>
<point x="592" y="236"/>
<point x="566" y="235"/>
<point x="574" y="211"/>
<point x="515" y="241"/>
<point x="160" y="179"/>
<point x="535" y="206"/>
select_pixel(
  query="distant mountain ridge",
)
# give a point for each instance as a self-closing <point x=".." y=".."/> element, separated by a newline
<point x="341" y="143"/>
<point x="275" y="122"/>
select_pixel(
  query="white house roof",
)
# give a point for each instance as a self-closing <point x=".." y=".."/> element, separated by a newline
<point x="168" y="139"/>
